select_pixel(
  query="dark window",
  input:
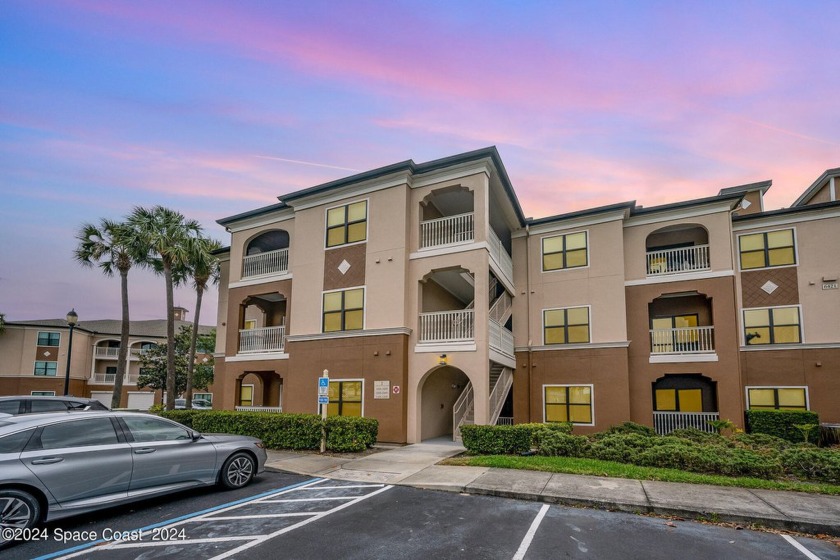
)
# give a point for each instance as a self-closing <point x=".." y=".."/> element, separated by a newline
<point x="154" y="429"/>
<point x="80" y="433"/>
<point x="345" y="398"/>
<point x="14" y="443"/>
<point x="48" y="338"/>
<point x="38" y="405"/>
<point x="46" y="368"/>
<point x="10" y="407"/>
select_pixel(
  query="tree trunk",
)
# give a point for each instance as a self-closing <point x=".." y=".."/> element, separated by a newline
<point x="170" y="337"/>
<point x="122" y="355"/>
<point x="199" y="292"/>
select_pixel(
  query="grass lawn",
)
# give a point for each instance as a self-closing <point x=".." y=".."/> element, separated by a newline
<point x="594" y="467"/>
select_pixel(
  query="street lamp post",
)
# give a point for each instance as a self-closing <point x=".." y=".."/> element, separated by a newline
<point x="72" y="319"/>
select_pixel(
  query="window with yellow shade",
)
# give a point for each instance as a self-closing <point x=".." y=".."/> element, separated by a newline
<point x="777" y="398"/>
<point x="345" y="398"/>
<point x="679" y="400"/>
<point x="568" y="403"/>
<point x="564" y="251"/>
<point x="566" y="326"/>
<point x="772" y="325"/>
<point x="347" y="224"/>
<point x="344" y="310"/>
<point x="771" y="248"/>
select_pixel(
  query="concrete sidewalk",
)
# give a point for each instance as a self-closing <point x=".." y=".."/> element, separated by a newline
<point x="415" y="465"/>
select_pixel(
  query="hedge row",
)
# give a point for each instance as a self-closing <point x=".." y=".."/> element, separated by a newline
<point x="283" y="431"/>
<point x="756" y="455"/>
<point x="783" y="424"/>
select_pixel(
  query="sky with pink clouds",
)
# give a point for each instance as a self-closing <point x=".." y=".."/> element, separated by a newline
<point x="216" y="108"/>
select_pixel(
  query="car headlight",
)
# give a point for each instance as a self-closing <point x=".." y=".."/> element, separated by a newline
<point x="259" y="444"/>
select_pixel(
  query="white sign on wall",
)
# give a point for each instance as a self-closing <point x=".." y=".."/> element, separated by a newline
<point x="381" y="389"/>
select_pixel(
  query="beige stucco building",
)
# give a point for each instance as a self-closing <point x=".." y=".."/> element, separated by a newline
<point x="33" y="358"/>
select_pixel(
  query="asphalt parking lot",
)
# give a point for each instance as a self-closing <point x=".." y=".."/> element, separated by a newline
<point x="290" y="516"/>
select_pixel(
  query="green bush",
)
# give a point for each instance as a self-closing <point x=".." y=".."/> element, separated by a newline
<point x="623" y="447"/>
<point x="782" y="423"/>
<point x="283" y="431"/>
<point x="629" y="428"/>
<point x="760" y="441"/>
<point x="699" y="436"/>
<point x="555" y="443"/>
<point x="347" y="433"/>
<point x="813" y="464"/>
<point x="497" y="440"/>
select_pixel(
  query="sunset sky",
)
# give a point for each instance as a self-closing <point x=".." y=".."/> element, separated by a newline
<point x="215" y="108"/>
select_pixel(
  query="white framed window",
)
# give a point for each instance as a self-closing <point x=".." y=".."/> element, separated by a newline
<point x="777" y="397"/>
<point x="204" y="396"/>
<point x="48" y="338"/>
<point x="568" y="250"/>
<point x="767" y="249"/>
<point x="346" y="224"/>
<point x="42" y="393"/>
<point x="772" y="325"/>
<point x="43" y="368"/>
<point x="569" y="403"/>
<point x="566" y="325"/>
<point x="343" y="310"/>
<point x="346" y="397"/>
<point x="246" y="394"/>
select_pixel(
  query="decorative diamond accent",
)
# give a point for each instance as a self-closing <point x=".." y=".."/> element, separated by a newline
<point x="769" y="287"/>
<point x="47" y="354"/>
<point x="344" y="267"/>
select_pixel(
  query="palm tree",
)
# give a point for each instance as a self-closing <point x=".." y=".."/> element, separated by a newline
<point x="203" y="266"/>
<point x="113" y="246"/>
<point x="165" y="234"/>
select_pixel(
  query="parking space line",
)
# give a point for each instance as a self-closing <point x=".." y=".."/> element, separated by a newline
<point x="292" y="500"/>
<point x="343" y="487"/>
<point x="290" y="528"/>
<point x="79" y="549"/>
<point x="529" y="536"/>
<point x="190" y="541"/>
<point x="258" y="516"/>
<point x="798" y="546"/>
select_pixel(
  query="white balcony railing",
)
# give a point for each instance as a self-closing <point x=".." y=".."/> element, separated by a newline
<point x="270" y="262"/>
<point x="107" y="352"/>
<point x="499" y="253"/>
<point x="265" y="339"/>
<point x="447" y="230"/>
<point x="447" y="326"/>
<point x="276" y="409"/>
<point x="462" y="411"/>
<point x="683" y="340"/>
<point x="677" y="261"/>
<point x="667" y="422"/>
<point x="104" y="378"/>
<point x="500" y="338"/>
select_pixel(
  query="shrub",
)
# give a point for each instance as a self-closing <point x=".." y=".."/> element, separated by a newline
<point x="821" y="465"/>
<point x="497" y="440"/>
<point x="539" y="430"/>
<point x="782" y="423"/>
<point x="621" y="447"/>
<point x="760" y="441"/>
<point x="698" y="436"/>
<point x="347" y="433"/>
<point x="631" y="428"/>
<point x="556" y="443"/>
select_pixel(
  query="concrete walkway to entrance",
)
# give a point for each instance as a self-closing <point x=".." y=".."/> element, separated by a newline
<point x="416" y="465"/>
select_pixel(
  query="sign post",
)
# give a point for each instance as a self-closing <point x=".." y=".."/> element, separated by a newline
<point x="323" y="402"/>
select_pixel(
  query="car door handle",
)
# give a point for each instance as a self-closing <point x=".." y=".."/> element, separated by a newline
<point x="47" y="461"/>
<point x="144" y="450"/>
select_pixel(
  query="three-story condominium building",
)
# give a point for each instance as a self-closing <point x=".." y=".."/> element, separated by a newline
<point x="432" y="302"/>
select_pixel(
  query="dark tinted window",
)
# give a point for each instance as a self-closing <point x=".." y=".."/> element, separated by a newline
<point x="79" y="433"/>
<point x="14" y="443"/>
<point x="48" y="338"/>
<point x="39" y="405"/>
<point x="153" y="429"/>
<point x="10" y="407"/>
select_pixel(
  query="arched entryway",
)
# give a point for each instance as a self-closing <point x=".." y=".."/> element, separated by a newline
<point x="684" y="401"/>
<point x="259" y="389"/>
<point x="439" y="390"/>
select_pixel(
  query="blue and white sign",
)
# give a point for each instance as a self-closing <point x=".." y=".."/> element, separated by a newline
<point x="323" y="400"/>
<point x="323" y="382"/>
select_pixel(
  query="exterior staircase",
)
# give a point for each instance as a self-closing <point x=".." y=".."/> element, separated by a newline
<point x="501" y="380"/>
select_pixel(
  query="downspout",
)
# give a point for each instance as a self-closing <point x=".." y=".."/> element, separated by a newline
<point x="528" y="315"/>
<point x="832" y="192"/>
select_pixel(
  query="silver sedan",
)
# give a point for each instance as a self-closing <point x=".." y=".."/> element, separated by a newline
<point x="59" y="464"/>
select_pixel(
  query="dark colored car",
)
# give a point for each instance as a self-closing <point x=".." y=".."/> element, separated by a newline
<point x="27" y="404"/>
<point x="57" y="465"/>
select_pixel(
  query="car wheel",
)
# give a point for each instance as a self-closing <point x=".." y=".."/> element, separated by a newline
<point x="238" y="470"/>
<point x="18" y="510"/>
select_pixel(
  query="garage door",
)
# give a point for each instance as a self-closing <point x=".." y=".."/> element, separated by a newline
<point x="140" y="400"/>
<point x="102" y="396"/>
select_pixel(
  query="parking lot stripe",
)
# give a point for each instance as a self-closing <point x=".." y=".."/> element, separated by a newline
<point x="292" y="500"/>
<point x="798" y="546"/>
<point x="529" y="536"/>
<point x="312" y="519"/>
<point x="343" y="487"/>
<point x="258" y="516"/>
<point x="76" y="550"/>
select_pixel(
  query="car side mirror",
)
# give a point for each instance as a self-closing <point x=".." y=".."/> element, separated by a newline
<point x="195" y="436"/>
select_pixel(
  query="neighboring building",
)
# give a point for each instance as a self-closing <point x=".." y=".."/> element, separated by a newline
<point x="33" y="358"/>
<point x="432" y="301"/>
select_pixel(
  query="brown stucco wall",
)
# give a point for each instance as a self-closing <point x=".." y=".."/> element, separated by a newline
<point x="604" y="368"/>
<point x="371" y="358"/>
<point x="785" y="278"/>
<point x="725" y="372"/>
<point x="798" y="367"/>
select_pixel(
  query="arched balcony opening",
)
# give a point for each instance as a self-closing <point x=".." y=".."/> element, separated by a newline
<point x="267" y="253"/>
<point x="681" y="323"/>
<point x="262" y="324"/>
<point x="684" y="401"/>
<point x="447" y="217"/>
<point x="677" y="250"/>
<point x="447" y="300"/>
